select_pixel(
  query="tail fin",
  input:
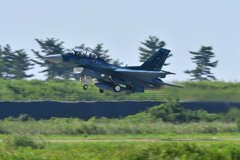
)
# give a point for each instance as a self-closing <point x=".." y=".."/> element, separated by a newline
<point x="156" y="61"/>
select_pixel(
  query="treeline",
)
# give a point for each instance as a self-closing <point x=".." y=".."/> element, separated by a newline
<point x="15" y="64"/>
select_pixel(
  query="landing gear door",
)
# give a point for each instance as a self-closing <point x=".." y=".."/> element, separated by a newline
<point x="86" y="79"/>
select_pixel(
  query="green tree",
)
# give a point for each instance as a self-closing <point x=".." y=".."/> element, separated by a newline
<point x="98" y="50"/>
<point x="14" y="64"/>
<point x="21" y="64"/>
<point x="7" y="56"/>
<point x="173" y="111"/>
<point x="151" y="47"/>
<point x="2" y="62"/>
<point x="53" y="70"/>
<point x="202" y="60"/>
<point x="81" y="47"/>
<point x="170" y="111"/>
<point x="117" y="62"/>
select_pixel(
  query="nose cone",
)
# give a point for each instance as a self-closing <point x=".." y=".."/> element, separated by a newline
<point x="56" y="58"/>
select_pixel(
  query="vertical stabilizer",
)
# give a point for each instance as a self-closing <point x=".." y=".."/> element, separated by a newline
<point x="156" y="61"/>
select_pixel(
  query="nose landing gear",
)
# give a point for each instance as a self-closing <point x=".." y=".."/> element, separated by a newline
<point x="85" y="86"/>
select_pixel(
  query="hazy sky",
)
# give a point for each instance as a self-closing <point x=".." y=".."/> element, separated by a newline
<point x="184" y="25"/>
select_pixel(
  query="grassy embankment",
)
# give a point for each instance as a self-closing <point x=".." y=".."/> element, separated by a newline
<point x="159" y="123"/>
<point x="169" y="120"/>
<point x="65" y="128"/>
<point x="214" y="150"/>
<point x="63" y="90"/>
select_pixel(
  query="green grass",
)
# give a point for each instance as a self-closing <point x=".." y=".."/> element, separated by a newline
<point x="64" y="90"/>
<point x="70" y="126"/>
<point x="206" y="91"/>
<point x="214" y="150"/>
<point x="165" y="136"/>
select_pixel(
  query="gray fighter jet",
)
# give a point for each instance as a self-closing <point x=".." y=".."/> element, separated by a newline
<point x="116" y="78"/>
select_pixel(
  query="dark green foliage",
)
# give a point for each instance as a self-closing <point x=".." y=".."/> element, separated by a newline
<point x="202" y="60"/>
<point x="3" y="130"/>
<point x="3" y="73"/>
<point x="140" y="117"/>
<point x="7" y="57"/>
<point x="25" y="117"/>
<point x="98" y="50"/>
<point x="14" y="64"/>
<point x="233" y="114"/>
<point x="172" y="111"/>
<point x="134" y="125"/>
<point x="21" y="140"/>
<point x="52" y="70"/>
<point x="224" y="150"/>
<point x="238" y="125"/>
<point x="81" y="47"/>
<point x="21" y="118"/>
<point x="152" y="45"/>
<point x="2" y="62"/>
<point x="117" y="62"/>
<point x="21" y="64"/>
<point x="166" y="118"/>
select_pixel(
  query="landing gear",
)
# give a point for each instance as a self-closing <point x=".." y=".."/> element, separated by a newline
<point x="117" y="88"/>
<point x="85" y="86"/>
<point x="101" y="90"/>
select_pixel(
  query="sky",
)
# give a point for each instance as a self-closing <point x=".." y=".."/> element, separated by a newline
<point x="121" y="26"/>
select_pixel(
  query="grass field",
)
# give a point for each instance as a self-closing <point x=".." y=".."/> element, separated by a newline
<point x="63" y="90"/>
<point x="68" y="126"/>
<point x="214" y="150"/>
<point x="166" y="136"/>
<point x="26" y="138"/>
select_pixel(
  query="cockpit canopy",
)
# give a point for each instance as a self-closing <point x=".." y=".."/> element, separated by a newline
<point x="83" y="53"/>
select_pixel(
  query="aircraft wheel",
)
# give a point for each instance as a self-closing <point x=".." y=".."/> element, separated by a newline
<point x="101" y="90"/>
<point x="117" y="88"/>
<point x="85" y="87"/>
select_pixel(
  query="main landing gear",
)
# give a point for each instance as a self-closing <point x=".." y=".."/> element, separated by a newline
<point x="85" y="86"/>
<point x="117" y="88"/>
<point x="101" y="90"/>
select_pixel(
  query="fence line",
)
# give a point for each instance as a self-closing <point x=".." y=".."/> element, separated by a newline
<point x="83" y="96"/>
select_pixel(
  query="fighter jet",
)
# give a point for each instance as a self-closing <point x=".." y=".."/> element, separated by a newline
<point x="116" y="78"/>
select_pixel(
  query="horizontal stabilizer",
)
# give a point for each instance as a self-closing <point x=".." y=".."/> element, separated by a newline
<point x="172" y="85"/>
<point x="158" y="81"/>
<point x="167" y="72"/>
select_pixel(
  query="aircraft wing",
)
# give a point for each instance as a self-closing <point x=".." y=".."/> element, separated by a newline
<point x="142" y="74"/>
